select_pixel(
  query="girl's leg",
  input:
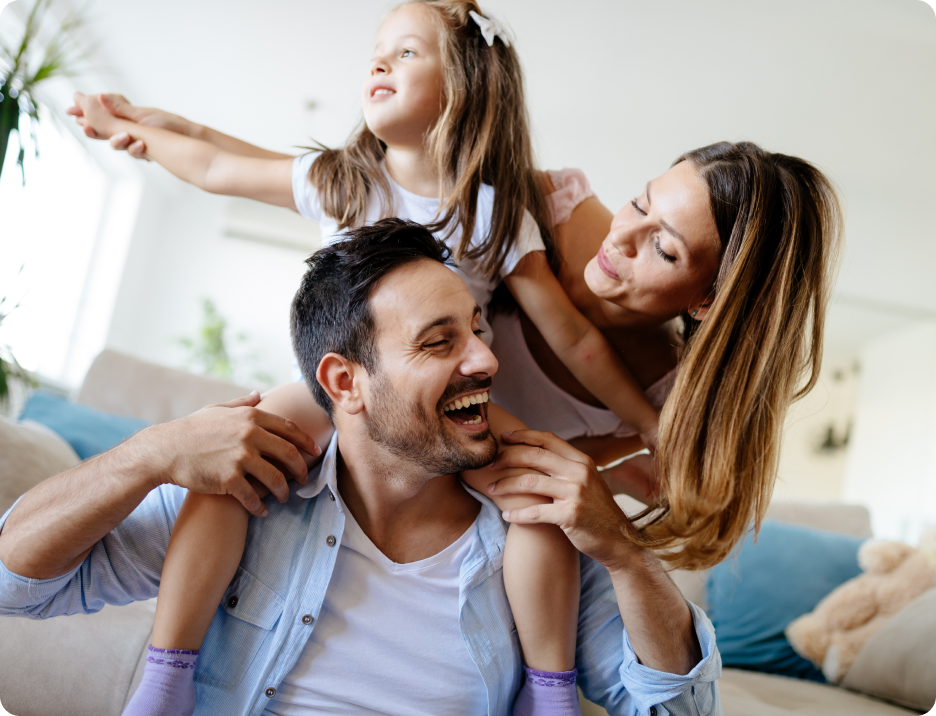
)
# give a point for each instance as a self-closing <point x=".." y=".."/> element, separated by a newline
<point x="205" y="548"/>
<point x="543" y="583"/>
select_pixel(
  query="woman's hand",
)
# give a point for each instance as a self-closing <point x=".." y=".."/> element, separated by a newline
<point x="582" y="506"/>
<point x="119" y="106"/>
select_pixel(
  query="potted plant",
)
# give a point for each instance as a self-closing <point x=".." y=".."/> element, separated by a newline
<point x="25" y="66"/>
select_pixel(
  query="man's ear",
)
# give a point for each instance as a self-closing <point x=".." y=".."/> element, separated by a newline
<point x="341" y="379"/>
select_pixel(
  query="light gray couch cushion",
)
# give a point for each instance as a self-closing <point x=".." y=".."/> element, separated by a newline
<point x="126" y="385"/>
<point x="82" y="665"/>
<point x="898" y="663"/>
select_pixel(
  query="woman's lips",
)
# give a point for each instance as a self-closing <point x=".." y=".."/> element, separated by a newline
<point x="606" y="266"/>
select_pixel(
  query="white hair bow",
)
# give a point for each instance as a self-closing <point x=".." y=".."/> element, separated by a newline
<point x="490" y="29"/>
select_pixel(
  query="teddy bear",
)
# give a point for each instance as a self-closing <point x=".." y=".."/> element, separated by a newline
<point x="835" y="631"/>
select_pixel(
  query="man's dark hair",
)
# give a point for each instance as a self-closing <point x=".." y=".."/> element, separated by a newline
<point x="331" y="310"/>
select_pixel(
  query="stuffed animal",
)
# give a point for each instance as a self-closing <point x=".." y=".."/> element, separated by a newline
<point x="833" y="633"/>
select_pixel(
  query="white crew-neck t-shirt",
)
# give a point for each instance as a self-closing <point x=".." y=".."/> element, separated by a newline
<point x="387" y="640"/>
<point x="423" y="210"/>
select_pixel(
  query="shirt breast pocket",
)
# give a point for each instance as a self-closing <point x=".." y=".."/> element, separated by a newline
<point x="245" y="620"/>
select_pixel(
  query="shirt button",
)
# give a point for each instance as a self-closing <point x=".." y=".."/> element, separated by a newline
<point x="307" y="619"/>
<point x="232" y="602"/>
<point x="270" y="692"/>
<point x="331" y="495"/>
<point x="330" y="541"/>
<point x="653" y="711"/>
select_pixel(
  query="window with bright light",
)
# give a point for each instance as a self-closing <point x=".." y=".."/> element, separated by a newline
<point x="48" y="231"/>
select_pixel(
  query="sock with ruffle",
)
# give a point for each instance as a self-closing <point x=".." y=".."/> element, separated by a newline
<point x="168" y="687"/>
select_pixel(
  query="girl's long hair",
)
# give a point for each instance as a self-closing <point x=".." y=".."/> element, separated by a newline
<point x="759" y="348"/>
<point x="482" y="136"/>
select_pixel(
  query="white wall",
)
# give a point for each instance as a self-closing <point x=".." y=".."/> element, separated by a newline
<point x="892" y="465"/>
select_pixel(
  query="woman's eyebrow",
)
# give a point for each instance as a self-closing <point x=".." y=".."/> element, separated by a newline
<point x="670" y="229"/>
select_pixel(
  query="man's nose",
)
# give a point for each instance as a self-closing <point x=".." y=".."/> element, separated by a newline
<point x="479" y="360"/>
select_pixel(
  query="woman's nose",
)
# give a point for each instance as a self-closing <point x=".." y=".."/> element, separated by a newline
<point x="626" y="243"/>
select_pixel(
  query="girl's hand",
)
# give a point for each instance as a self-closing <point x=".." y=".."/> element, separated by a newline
<point x="119" y="106"/>
<point x="94" y="117"/>
<point x="582" y="506"/>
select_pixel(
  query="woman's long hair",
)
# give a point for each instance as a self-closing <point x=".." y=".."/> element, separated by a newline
<point x="759" y="348"/>
<point x="482" y="136"/>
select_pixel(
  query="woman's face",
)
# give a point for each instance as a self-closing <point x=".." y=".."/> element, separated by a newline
<point x="662" y="254"/>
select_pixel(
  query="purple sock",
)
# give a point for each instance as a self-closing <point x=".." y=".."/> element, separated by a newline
<point x="167" y="688"/>
<point x="548" y="693"/>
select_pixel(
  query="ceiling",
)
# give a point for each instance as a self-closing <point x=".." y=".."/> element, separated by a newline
<point x="619" y="88"/>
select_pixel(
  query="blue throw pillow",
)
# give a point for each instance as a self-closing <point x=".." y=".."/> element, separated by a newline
<point x="88" y="430"/>
<point x="763" y="586"/>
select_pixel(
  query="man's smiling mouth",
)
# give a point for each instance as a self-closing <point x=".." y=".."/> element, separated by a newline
<point x="467" y="409"/>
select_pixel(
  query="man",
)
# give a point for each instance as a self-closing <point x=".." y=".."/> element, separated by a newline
<point x="377" y="586"/>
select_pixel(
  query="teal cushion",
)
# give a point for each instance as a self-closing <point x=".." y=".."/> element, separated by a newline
<point x="88" y="430"/>
<point x="756" y="593"/>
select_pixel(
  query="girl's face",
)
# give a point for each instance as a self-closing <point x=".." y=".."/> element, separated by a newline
<point x="663" y="251"/>
<point x="403" y="93"/>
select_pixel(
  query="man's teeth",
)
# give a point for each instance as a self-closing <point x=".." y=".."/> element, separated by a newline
<point x="466" y="401"/>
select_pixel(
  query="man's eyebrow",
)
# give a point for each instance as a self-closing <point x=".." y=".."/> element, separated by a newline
<point x="666" y="226"/>
<point x="443" y="321"/>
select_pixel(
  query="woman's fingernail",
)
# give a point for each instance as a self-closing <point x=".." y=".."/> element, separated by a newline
<point x="254" y="392"/>
<point x="492" y="487"/>
<point x="506" y="514"/>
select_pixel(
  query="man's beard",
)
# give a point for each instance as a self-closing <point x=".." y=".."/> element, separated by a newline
<point x="411" y="432"/>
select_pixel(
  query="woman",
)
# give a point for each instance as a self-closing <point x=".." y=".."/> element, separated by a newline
<point x="723" y="266"/>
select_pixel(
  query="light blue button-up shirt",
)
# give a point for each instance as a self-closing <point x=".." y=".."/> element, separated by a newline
<point x="259" y="632"/>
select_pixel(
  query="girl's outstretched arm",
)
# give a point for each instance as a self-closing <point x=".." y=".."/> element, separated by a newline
<point x="120" y="106"/>
<point x="579" y="345"/>
<point x="198" y="162"/>
<point x="541" y="570"/>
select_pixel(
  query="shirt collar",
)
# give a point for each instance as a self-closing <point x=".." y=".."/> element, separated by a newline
<point x="324" y="474"/>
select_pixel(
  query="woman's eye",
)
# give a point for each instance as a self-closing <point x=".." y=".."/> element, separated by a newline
<point x="478" y="332"/>
<point x="639" y="210"/>
<point x="663" y="254"/>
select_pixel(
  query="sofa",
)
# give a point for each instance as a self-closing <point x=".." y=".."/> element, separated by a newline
<point x="41" y="676"/>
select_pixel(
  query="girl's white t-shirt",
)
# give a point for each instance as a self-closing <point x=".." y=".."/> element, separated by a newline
<point x="423" y="210"/>
<point x="387" y="640"/>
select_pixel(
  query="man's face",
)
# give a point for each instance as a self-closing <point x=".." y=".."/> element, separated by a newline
<point x="430" y="358"/>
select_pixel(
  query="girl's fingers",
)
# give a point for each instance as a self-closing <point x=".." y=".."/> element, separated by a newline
<point x="137" y="150"/>
<point x="531" y="457"/>
<point x="121" y="141"/>
<point x="531" y="484"/>
<point x="548" y="441"/>
<point x="74" y="111"/>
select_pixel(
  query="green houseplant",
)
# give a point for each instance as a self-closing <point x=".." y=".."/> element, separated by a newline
<point x="28" y="64"/>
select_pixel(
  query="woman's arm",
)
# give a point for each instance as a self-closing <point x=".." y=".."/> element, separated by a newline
<point x="119" y="106"/>
<point x="198" y="162"/>
<point x="579" y="345"/>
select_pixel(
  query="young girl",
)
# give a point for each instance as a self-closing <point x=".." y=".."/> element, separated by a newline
<point x="445" y="143"/>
